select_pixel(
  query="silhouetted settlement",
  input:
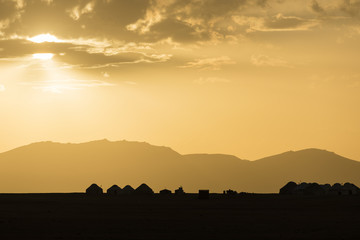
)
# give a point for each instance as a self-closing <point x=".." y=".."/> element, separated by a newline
<point x="291" y="188"/>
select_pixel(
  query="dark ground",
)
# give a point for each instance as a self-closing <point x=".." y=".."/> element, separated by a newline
<point x="77" y="216"/>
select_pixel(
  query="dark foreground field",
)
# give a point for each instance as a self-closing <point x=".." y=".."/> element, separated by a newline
<point x="77" y="216"/>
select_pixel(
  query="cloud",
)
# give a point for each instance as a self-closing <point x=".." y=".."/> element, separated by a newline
<point x="9" y="12"/>
<point x="209" y="63"/>
<point x="2" y="88"/>
<point x="315" y="6"/>
<point x="289" y="23"/>
<point x="337" y="9"/>
<point x="102" y="33"/>
<point x="351" y="7"/>
<point x="151" y="21"/>
<point x="75" y="19"/>
<point x="178" y="31"/>
<point x="211" y="80"/>
<point x="47" y="1"/>
<point x="264" y="60"/>
<point x="152" y="16"/>
<point x="8" y="9"/>
<point x="105" y="74"/>
<point x="84" y="59"/>
<point x="187" y="21"/>
<point x="79" y="10"/>
<point x="78" y="54"/>
<point x="275" y="23"/>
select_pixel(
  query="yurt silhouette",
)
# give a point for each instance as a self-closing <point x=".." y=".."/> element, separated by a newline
<point x="128" y="190"/>
<point x="114" y="190"/>
<point x="165" y="192"/>
<point x="144" y="189"/>
<point x="94" y="189"/>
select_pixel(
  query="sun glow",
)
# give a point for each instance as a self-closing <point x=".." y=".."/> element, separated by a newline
<point x="43" y="56"/>
<point x="44" y="38"/>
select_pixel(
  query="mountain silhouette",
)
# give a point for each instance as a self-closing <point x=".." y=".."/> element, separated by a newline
<point x="58" y="167"/>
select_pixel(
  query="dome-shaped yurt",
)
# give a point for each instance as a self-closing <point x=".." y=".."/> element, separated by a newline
<point x="127" y="190"/>
<point x="314" y="189"/>
<point x="165" y="192"/>
<point x="144" y="189"/>
<point x="336" y="189"/>
<point x="350" y="188"/>
<point x="114" y="190"/>
<point x="94" y="189"/>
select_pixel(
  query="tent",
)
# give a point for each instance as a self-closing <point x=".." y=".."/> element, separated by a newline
<point x="144" y="189"/>
<point x="128" y="190"/>
<point x="165" y="192"/>
<point x="114" y="190"/>
<point x="94" y="189"/>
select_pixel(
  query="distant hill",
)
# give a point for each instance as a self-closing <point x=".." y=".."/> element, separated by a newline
<point x="58" y="167"/>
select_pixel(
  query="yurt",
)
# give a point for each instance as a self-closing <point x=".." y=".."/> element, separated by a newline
<point x="114" y="190"/>
<point x="165" y="192"/>
<point x="144" y="189"/>
<point x="128" y="190"/>
<point x="94" y="189"/>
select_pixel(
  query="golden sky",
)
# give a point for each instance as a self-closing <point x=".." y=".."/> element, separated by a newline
<point x="249" y="78"/>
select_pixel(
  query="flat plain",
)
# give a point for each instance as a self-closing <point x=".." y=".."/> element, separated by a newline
<point x="249" y="216"/>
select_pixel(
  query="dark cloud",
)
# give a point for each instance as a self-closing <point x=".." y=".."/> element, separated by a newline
<point x="316" y="7"/>
<point x="181" y="20"/>
<point x="283" y="22"/>
<point x="262" y="3"/>
<point x="204" y="9"/>
<point x="351" y="7"/>
<point x="275" y="23"/>
<point x="151" y="21"/>
<point x="177" y="30"/>
<point x="190" y="21"/>
<point x="84" y="59"/>
<point x="17" y="48"/>
<point x="71" y="19"/>
<point x="75" y="55"/>
<point x="7" y="9"/>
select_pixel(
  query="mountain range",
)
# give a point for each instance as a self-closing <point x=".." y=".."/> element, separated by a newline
<point x="58" y="167"/>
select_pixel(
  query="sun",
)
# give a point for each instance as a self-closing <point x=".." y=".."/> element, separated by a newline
<point x="44" y="38"/>
<point x="43" y="56"/>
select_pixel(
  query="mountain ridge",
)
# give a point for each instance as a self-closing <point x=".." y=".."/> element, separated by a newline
<point x="166" y="147"/>
<point x="63" y="167"/>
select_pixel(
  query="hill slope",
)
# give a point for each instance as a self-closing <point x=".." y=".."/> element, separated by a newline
<point x="56" y="167"/>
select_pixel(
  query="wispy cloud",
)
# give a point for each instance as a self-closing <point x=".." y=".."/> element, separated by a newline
<point x="315" y="6"/>
<point x="209" y="63"/>
<point x="277" y="23"/>
<point x="105" y="74"/>
<point x="211" y="80"/>
<point x="77" y="11"/>
<point x="351" y="7"/>
<point x="264" y="60"/>
<point x="80" y="53"/>
<point x="153" y="21"/>
<point x="2" y="88"/>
